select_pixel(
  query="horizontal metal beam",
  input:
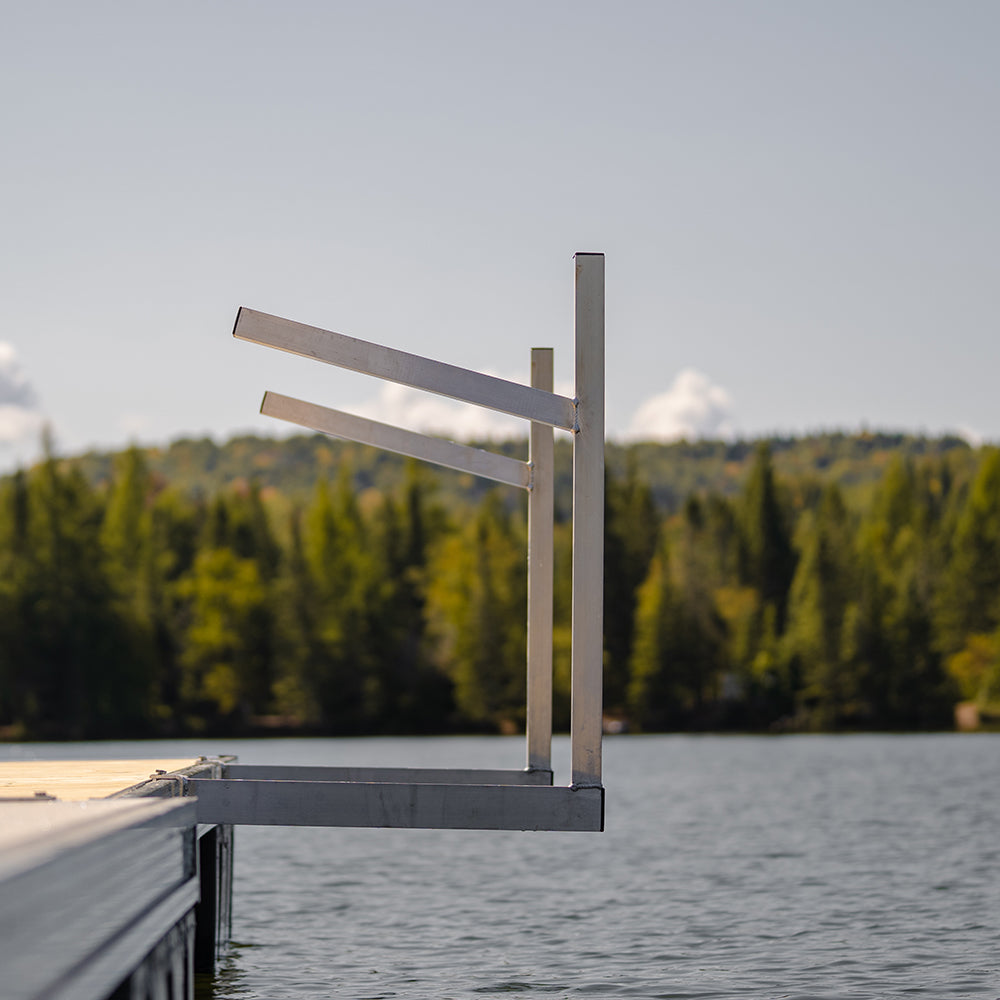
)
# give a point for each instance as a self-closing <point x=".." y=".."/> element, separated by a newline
<point x="410" y="806"/>
<point x="406" y="369"/>
<point x="397" y="775"/>
<point x="487" y="464"/>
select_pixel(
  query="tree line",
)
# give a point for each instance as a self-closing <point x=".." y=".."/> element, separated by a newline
<point x="132" y="608"/>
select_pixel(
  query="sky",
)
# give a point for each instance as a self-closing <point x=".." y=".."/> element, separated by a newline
<point x="798" y="203"/>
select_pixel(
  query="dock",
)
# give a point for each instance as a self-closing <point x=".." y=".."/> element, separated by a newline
<point x="110" y="888"/>
<point x="116" y="876"/>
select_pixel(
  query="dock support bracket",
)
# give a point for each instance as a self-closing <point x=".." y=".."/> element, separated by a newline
<point x="448" y="800"/>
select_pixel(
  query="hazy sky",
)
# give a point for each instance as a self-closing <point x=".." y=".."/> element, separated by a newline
<point x="798" y="202"/>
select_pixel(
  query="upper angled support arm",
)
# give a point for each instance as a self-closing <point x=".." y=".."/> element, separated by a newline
<point x="407" y="369"/>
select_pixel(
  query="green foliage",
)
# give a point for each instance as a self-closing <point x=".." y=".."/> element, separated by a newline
<point x="821" y="590"/>
<point x="969" y="599"/>
<point x="225" y="659"/>
<point x="823" y="583"/>
<point x="477" y="606"/>
<point x="71" y="663"/>
<point x="202" y="468"/>
<point x="767" y="561"/>
<point x="631" y="531"/>
<point x="678" y="650"/>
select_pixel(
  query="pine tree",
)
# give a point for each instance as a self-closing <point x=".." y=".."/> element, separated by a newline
<point x="335" y="543"/>
<point x="406" y="691"/>
<point x="767" y="559"/>
<point x="137" y="567"/>
<point x="297" y="608"/>
<point x="16" y="571"/>
<point x="890" y="649"/>
<point x="654" y="696"/>
<point x="678" y="653"/>
<point x="238" y="528"/>
<point x="818" y="600"/>
<point x="969" y="604"/>
<point x="225" y="657"/>
<point x="76" y="652"/>
<point x="477" y="609"/>
<point x="631" y="531"/>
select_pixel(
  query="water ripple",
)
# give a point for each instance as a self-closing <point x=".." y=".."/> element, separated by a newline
<point x="791" y="868"/>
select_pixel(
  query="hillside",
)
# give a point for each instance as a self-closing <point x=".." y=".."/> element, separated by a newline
<point x="823" y="583"/>
<point x="292" y="465"/>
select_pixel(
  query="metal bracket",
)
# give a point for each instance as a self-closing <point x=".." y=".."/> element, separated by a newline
<point x="304" y="796"/>
<point x="180" y="780"/>
<point x="499" y="800"/>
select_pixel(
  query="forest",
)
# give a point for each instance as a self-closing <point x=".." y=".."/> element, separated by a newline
<point x="307" y="586"/>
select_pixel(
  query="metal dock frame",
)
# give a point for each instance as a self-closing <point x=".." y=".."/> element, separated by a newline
<point x="462" y="798"/>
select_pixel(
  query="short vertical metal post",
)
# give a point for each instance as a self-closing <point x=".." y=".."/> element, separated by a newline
<point x="540" y="558"/>
<point x="588" y="524"/>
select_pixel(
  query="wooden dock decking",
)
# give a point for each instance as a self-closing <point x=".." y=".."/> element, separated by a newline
<point x="76" y="780"/>
<point x="110" y="889"/>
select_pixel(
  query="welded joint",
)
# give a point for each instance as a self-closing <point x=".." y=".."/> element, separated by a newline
<point x="547" y="771"/>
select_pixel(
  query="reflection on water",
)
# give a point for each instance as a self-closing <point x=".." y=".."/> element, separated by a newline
<point x="819" y="867"/>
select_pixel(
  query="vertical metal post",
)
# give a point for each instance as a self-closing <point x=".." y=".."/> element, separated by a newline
<point x="588" y="524"/>
<point x="540" y="558"/>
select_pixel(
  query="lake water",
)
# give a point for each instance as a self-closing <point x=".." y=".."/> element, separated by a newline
<point x="732" y="867"/>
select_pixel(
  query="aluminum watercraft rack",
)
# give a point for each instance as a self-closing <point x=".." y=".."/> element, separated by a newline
<point x="459" y="798"/>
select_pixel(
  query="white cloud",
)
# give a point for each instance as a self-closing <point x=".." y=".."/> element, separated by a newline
<point x="402" y="406"/>
<point x="17" y="423"/>
<point x="415" y="410"/>
<point x="691" y="408"/>
<point x="974" y="437"/>
<point x="20" y="416"/>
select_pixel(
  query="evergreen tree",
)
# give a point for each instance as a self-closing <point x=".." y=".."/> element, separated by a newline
<point x="298" y="610"/>
<point x="226" y="650"/>
<point x="696" y="566"/>
<point x="924" y="696"/>
<point x="969" y="603"/>
<point x="477" y="609"/>
<point x="137" y="567"/>
<point x="893" y="648"/>
<point x="818" y="600"/>
<point x="74" y="650"/>
<point x="654" y="696"/>
<point x="767" y="559"/>
<point x="237" y="541"/>
<point x="129" y="607"/>
<point x="341" y="575"/>
<point x="16" y="567"/>
<point x="678" y="650"/>
<point x="631" y="530"/>
<point x="406" y="691"/>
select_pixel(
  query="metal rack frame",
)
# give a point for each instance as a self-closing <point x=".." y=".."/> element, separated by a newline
<point x="458" y="798"/>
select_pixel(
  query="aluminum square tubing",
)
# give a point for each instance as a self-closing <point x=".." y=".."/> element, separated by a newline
<point x="336" y="423"/>
<point x="541" y="501"/>
<point x="588" y="524"/>
<point x="408" y="805"/>
<point x="391" y="775"/>
<point x="406" y="369"/>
